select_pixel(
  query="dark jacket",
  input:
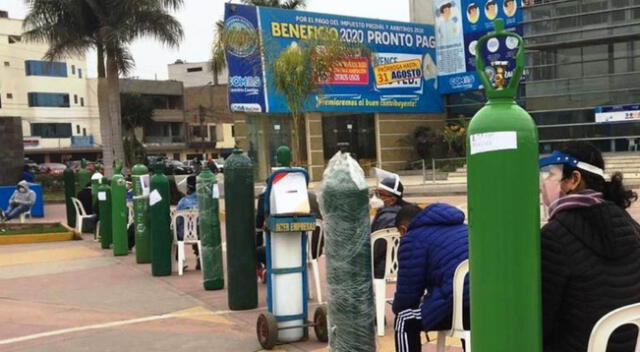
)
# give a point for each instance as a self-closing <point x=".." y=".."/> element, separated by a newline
<point x="84" y="196"/>
<point x="435" y="244"/>
<point x="590" y="266"/>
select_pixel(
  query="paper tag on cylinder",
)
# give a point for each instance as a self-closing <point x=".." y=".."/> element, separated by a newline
<point x="102" y="196"/>
<point x="215" y="193"/>
<point x="154" y="197"/>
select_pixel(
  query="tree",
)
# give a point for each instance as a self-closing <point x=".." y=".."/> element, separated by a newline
<point x="218" y="61"/>
<point x="109" y="26"/>
<point x="299" y="71"/>
<point x="137" y="111"/>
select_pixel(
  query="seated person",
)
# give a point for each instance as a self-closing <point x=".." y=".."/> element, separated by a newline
<point x="20" y="202"/>
<point x="85" y="197"/>
<point x="188" y="202"/>
<point x="390" y="191"/>
<point x="434" y="242"/>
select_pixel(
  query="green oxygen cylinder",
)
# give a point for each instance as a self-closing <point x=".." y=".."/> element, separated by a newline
<point x="209" y="223"/>
<point x="69" y="192"/>
<point x="83" y="175"/>
<point x="241" y="235"/>
<point x="104" y="201"/>
<point x="161" y="239"/>
<point x="504" y="213"/>
<point x="96" y="179"/>
<point x="141" y="187"/>
<point x="119" y="211"/>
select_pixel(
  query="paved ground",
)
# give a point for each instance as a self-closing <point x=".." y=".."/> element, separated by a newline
<point x="73" y="296"/>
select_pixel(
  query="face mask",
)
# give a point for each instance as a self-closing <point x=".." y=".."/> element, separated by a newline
<point x="375" y="202"/>
<point x="22" y="190"/>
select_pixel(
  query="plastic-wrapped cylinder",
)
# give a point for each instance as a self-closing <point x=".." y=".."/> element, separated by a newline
<point x="345" y="209"/>
<point x="241" y="238"/>
<point x="69" y="192"/>
<point x="83" y="175"/>
<point x="104" y="202"/>
<point x="209" y="222"/>
<point x="119" y="214"/>
<point x="161" y="238"/>
<point x="140" y="178"/>
<point x="504" y="207"/>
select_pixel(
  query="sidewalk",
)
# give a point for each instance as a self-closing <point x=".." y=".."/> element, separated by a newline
<point x="73" y="296"/>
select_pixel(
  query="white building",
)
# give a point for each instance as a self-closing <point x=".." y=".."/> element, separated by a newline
<point x="55" y="100"/>
<point x="195" y="74"/>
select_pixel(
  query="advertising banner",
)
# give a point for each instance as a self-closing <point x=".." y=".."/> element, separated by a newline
<point x="459" y="25"/>
<point x="398" y="76"/>
<point x="618" y="113"/>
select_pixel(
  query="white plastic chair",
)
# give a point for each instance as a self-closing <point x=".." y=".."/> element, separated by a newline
<point x="81" y="214"/>
<point x="457" y="329"/>
<point x="190" y="230"/>
<point x="392" y="237"/>
<point x="609" y="323"/>
<point x="313" y="263"/>
<point x="25" y="215"/>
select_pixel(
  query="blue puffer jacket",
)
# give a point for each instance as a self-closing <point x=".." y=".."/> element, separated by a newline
<point x="430" y="252"/>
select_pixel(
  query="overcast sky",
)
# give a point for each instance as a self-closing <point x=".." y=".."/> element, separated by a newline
<point x="198" y="18"/>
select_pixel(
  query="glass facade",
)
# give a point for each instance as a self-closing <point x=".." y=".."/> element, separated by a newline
<point x="55" y="100"/>
<point x="51" y="130"/>
<point x="580" y="54"/>
<point x="45" y="68"/>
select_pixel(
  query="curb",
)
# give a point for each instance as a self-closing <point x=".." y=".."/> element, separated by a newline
<point x="39" y="238"/>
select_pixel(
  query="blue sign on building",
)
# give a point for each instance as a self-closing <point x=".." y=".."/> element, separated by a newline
<point x="459" y="25"/>
<point x="398" y="76"/>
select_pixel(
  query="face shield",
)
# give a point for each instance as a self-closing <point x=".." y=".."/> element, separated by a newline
<point x="550" y="179"/>
<point x="551" y="174"/>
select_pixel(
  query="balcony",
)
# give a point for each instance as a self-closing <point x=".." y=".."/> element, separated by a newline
<point x="168" y="115"/>
<point x="81" y="141"/>
<point x="163" y="139"/>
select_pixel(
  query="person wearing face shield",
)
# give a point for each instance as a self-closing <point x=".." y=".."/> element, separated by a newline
<point x="590" y="249"/>
<point x="20" y="202"/>
<point x="390" y="191"/>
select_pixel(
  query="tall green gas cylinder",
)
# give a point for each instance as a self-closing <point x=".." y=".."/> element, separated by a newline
<point x="140" y="178"/>
<point x="119" y="211"/>
<point x="504" y="207"/>
<point x="69" y="192"/>
<point x="83" y="175"/>
<point x="96" y="179"/>
<point x="241" y="236"/>
<point x="161" y="238"/>
<point x="104" y="203"/>
<point x="209" y="223"/>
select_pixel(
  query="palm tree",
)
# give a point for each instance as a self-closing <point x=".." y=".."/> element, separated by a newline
<point x="218" y="61"/>
<point x="109" y="26"/>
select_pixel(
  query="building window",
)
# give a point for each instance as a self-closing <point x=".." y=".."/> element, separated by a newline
<point x="45" y="68"/>
<point x="213" y="133"/>
<point x="9" y="95"/>
<point x="75" y="98"/>
<point x="7" y="63"/>
<point x="79" y="73"/>
<point x="14" y="39"/>
<point x="197" y="131"/>
<point x="233" y="131"/>
<point x="56" y="100"/>
<point x="84" y="132"/>
<point x="73" y="69"/>
<point x="51" y="130"/>
<point x="194" y="69"/>
<point x="77" y="129"/>
<point x="81" y="101"/>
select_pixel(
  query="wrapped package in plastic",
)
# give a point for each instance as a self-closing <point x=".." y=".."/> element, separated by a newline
<point x="344" y="204"/>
